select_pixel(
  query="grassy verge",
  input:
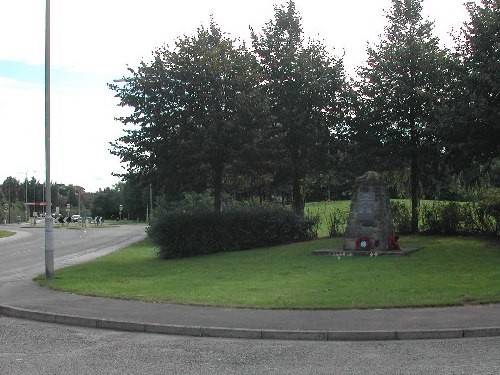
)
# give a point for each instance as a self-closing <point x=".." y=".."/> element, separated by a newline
<point x="5" y="233"/>
<point x="447" y="271"/>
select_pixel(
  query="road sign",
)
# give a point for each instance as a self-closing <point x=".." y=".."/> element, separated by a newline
<point x="6" y="207"/>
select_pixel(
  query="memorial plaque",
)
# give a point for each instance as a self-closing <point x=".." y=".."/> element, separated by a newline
<point x="366" y="205"/>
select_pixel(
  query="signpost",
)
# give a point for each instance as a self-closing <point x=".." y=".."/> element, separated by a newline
<point x="121" y="208"/>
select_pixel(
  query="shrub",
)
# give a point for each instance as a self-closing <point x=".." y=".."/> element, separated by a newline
<point x="442" y="218"/>
<point x="482" y="215"/>
<point x="337" y="222"/>
<point x="180" y="234"/>
<point x="401" y="216"/>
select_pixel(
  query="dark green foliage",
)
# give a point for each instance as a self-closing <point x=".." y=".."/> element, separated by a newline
<point x="401" y="215"/>
<point x="189" y="202"/>
<point x="401" y="89"/>
<point x="480" y="216"/>
<point x="196" y="108"/>
<point x="478" y="92"/>
<point x="337" y="222"/>
<point x="303" y="84"/>
<point x="483" y="214"/>
<point x="180" y="234"/>
<point x="442" y="218"/>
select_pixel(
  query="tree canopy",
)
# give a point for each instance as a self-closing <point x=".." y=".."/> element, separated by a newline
<point x="303" y="84"/>
<point x="280" y="118"/>
<point x="197" y="107"/>
<point x="474" y="127"/>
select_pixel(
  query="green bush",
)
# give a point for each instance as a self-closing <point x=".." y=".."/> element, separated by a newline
<point x="180" y="234"/>
<point x="442" y="218"/>
<point x="337" y="222"/>
<point x="401" y="215"/>
<point x="482" y="214"/>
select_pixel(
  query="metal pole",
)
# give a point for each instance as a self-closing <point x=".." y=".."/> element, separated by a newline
<point x="26" y="202"/>
<point x="49" y="223"/>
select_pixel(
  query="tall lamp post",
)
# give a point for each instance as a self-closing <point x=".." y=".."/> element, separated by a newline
<point x="49" y="222"/>
<point x="26" y="197"/>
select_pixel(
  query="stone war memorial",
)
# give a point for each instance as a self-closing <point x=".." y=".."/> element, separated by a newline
<point x="369" y="227"/>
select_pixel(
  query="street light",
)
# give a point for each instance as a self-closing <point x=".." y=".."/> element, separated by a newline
<point x="49" y="222"/>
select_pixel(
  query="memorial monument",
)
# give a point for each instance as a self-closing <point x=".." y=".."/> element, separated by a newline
<point x="369" y="225"/>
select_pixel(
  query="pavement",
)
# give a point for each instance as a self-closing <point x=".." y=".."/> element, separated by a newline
<point x="20" y="297"/>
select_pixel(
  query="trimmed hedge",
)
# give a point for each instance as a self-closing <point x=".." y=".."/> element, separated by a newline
<point x="179" y="234"/>
<point x="478" y="217"/>
<point x="401" y="217"/>
<point x="443" y="218"/>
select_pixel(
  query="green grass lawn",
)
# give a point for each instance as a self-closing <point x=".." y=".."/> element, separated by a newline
<point x="5" y="233"/>
<point x="447" y="271"/>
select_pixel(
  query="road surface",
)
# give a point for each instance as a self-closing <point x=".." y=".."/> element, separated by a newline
<point x="22" y="255"/>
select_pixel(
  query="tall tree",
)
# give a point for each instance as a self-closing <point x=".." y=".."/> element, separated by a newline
<point x="219" y="87"/>
<point x="197" y="114"/>
<point x="402" y="86"/>
<point x="303" y="83"/>
<point x="473" y="128"/>
<point x="149" y="146"/>
<point x="11" y="188"/>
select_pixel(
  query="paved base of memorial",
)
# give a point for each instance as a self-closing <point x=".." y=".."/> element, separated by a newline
<point x="371" y="252"/>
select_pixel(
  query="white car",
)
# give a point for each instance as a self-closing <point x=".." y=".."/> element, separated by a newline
<point x="76" y="218"/>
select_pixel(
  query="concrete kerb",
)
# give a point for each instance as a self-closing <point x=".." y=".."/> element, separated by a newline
<point x="240" y="333"/>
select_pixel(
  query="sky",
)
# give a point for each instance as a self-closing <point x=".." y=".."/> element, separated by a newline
<point x="92" y="43"/>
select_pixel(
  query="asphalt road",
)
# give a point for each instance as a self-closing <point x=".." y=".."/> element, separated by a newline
<point x="22" y="255"/>
<point x="28" y="347"/>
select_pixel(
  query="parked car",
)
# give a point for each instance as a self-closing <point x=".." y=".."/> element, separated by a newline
<point x="76" y="218"/>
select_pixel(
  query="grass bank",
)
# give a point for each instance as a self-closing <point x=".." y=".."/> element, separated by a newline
<point x="447" y="271"/>
<point x="6" y="233"/>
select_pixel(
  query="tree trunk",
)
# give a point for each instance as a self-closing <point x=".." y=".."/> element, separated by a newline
<point x="218" y="171"/>
<point x="414" y="172"/>
<point x="298" y="200"/>
<point x="415" y="178"/>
